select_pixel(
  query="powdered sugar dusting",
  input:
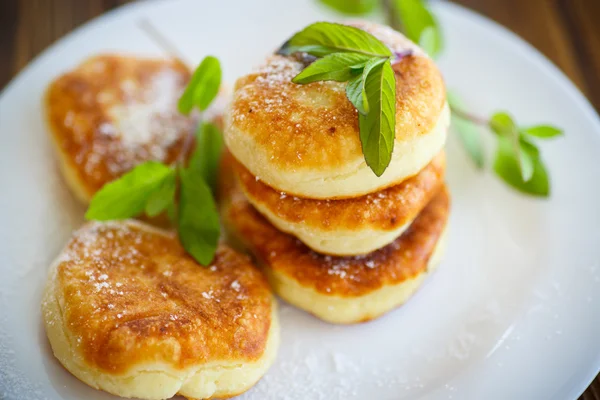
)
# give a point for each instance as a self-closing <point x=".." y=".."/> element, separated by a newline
<point x="143" y="126"/>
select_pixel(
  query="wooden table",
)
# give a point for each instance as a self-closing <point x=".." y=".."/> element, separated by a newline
<point x="566" y="31"/>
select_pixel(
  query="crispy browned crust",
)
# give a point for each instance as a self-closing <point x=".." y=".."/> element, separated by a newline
<point x="399" y="261"/>
<point x="314" y="126"/>
<point x="132" y="296"/>
<point x="78" y="108"/>
<point x="386" y="210"/>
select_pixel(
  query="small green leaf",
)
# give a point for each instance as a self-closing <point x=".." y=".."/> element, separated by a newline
<point x="339" y="67"/>
<point x="542" y="131"/>
<point x="355" y="90"/>
<point x="323" y="38"/>
<point x="469" y="133"/>
<point x="506" y="167"/>
<point x="352" y="7"/>
<point x="378" y="127"/>
<point x="206" y="156"/>
<point x="505" y="127"/>
<point x="203" y="86"/>
<point x="198" y="225"/>
<point x="163" y="196"/>
<point x="429" y="41"/>
<point x="127" y="196"/>
<point x="503" y="124"/>
<point x="416" y="18"/>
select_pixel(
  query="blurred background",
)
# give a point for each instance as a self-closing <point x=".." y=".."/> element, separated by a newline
<point x="566" y="31"/>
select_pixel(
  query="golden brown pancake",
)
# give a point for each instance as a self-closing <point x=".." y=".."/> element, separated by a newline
<point x="113" y="112"/>
<point x="304" y="139"/>
<point x="337" y="289"/>
<point x="129" y="312"/>
<point x="352" y="226"/>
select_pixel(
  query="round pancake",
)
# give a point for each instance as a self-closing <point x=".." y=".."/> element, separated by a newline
<point x="353" y="226"/>
<point x="113" y="112"/>
<point x="338" y="289"/>
<point x="304" y="139"/>
<point x="127" y="311"/>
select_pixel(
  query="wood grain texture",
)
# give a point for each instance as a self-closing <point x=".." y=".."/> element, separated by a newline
<point x="566" y="31"/>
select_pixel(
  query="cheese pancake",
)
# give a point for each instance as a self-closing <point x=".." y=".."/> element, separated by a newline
<point x="347" y="226"/>
<point x="114" y="112"/>
<point x="304" y="140"/>
<point x="127" y="311"/>
<point x="337" y="289"/>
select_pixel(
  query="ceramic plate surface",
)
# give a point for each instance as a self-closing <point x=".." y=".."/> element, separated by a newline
<point x="513" y="312"/>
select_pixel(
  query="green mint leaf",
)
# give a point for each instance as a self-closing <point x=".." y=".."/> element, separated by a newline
<point x="542" y="131"/>
<point x="505" y="127"/>
<point x="355" y="90"/>
<point x="339" y="67"/>
<point x="127" y="196"/>
<point x="416" y="19"/>
<point x="503" y="124"/>
<point x="163" y="197"/>
<point x="323" y="38"/>
<point x="507" y="167"/>
<point x="206" y="156"/>
<point x="378" y="127"/>
<point x="203" y="86"/>
<point x="469" y="133"/>
<point x="429" y="41"/>
<point x="198" y="219"/>
<point x="352" y="7"/>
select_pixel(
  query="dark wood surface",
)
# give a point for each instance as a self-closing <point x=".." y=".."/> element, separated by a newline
<point x="566" y="31"/>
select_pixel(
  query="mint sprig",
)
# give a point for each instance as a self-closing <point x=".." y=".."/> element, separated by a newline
<point x="518" y="160"/>
<point x="152" y="187"/>
<point x="349" y="54"/>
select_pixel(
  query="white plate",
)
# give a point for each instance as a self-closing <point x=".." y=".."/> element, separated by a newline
<point x="512" y="313"/>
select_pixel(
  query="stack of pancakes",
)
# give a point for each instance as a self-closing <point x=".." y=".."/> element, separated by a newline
<point x="333" y="238"/>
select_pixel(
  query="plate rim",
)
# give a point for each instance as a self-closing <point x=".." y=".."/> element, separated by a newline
<point x="526" y="49"/>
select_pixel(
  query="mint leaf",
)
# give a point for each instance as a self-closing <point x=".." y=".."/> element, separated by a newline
<point x="198" y="219"/>
<point x="415" y="19"/>
<point x="127" y="196"/>
<point x="505" y="127"/>
<point x="339" y="67"/>
<point x="469" y="133"/>
<point x="352" y="7"/>
<point x="429" y="41"/>
<point x="203" y="86"/>
<point x="323" y="38"/>
<point x="206" y="156"/>
<point x="163" y="197"/>
<point x="507" y="167"/>
<point x="542" y="131"/>
<point x="355" y="90"/>
<point x="378" y="127"/>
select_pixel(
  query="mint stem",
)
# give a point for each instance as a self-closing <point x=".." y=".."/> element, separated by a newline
<point x="391" y="15"/>
<point x="468" y="116"/>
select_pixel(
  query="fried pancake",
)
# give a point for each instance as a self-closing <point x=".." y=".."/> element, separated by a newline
<point x="353" y="226"/>
<point x="304" y="140"/>
<point x="113" y="112"/>
<point x="127" y="311"/>
<point x="337" y="289"/>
